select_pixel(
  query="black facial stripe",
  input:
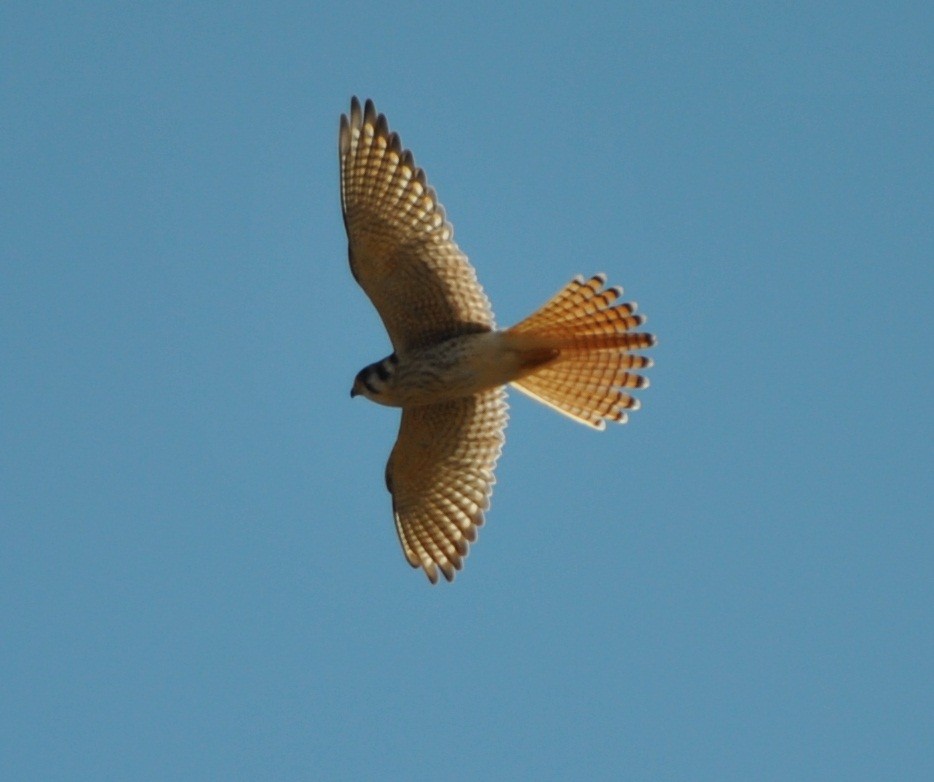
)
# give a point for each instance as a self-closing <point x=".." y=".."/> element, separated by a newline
<point x="368" y="385"/>
<point x="382" y="372"/>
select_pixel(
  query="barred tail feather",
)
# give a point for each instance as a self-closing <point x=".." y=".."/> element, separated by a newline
<point x="592" y="336"/>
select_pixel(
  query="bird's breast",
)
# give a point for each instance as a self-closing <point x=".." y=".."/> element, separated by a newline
<point x="456" y="367"/>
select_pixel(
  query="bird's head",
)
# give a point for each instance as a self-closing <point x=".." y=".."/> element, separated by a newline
<point x="374" y="380"/>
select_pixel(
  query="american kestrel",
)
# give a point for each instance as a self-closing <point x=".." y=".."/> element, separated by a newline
<point x="450" y="363"/>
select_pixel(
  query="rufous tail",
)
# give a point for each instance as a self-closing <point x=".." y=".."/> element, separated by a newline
<point x="591" y="337"/>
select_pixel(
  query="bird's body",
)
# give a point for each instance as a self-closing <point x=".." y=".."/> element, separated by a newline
<point x="455" y="367"/>
<point x="450" y="364"/>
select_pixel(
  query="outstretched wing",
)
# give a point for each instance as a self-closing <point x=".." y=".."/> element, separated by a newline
<point x="402" y="250"/>
<point x="440" y="474"/>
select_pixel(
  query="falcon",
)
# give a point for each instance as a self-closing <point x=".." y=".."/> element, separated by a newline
<point x="450" y="364"/>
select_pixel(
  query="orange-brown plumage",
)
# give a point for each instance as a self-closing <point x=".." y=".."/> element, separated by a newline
<point x="592" y="335"/>
<point x="450" y="366"/>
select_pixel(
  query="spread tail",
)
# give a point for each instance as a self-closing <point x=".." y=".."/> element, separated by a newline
<point x="590" y="337"/>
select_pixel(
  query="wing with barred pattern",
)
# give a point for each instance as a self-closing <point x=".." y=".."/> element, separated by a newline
<point x="440" y="474"/>
<point x="402" y="250"/>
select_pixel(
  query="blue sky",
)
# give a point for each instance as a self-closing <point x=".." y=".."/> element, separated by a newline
<point x="199" y="576"/>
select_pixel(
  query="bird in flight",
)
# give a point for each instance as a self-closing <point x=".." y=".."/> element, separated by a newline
<point x="450" y="364"/>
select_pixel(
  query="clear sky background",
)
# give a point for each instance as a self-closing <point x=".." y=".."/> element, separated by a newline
<point x="199" y="575"/>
